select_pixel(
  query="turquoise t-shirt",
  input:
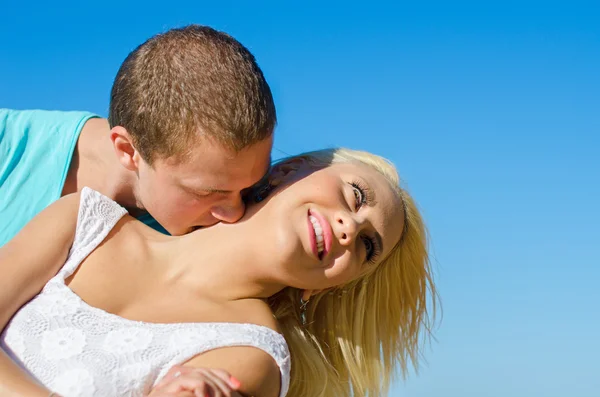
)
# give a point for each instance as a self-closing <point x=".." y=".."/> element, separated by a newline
<point x="36" y="147"/>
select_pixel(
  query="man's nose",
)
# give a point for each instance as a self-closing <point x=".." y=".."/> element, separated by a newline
<point x="229" y="210"/>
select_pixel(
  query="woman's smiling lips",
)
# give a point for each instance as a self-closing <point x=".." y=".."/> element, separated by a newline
<point x="325" y="231"/>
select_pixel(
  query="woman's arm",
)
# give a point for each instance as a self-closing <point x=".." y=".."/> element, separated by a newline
<point x="257" y="372"/>
<point x="15" y="382"/>
<point x="27" y="263"/>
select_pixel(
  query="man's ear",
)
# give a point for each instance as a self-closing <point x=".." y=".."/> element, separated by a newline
<point x="126" y="153"/>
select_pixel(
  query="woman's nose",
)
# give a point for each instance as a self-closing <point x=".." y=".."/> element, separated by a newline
<point x="345" y="228"/>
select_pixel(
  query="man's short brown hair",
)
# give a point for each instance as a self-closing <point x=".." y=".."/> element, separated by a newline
<point x="190" y="83"/>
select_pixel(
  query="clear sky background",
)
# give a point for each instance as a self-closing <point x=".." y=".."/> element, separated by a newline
<point x="490" y="110"/>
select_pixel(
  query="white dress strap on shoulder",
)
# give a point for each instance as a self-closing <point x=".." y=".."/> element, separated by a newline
<point x="97" y="216"/>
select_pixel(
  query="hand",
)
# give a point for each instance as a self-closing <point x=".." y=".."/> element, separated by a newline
<point x="183" y="381"/>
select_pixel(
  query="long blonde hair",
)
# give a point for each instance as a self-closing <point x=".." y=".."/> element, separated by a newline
<point x="357" y="336"/>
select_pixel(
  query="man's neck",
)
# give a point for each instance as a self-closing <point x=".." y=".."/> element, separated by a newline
<point x="95" y="165"/>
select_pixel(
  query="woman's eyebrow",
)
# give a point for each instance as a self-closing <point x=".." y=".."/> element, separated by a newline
<point x="379" y="241"/>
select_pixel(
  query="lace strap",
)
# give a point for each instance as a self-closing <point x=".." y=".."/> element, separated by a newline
<point x="97" y="216"/>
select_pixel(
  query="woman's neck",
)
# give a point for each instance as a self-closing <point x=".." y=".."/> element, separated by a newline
<point x="220" y="261"/>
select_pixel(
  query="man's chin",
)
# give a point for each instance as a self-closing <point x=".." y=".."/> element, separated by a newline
<point x="183" y="232"/>
<point x="180" y="232"/>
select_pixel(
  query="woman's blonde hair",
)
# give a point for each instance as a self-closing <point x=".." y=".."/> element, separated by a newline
<point x="357" y="336"/>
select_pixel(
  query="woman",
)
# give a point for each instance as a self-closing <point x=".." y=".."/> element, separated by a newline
<point x="332" y="254"/>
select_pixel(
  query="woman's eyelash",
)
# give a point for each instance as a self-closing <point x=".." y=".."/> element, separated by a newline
<point x="366" y="195"/>
<point x="373" y="254"/>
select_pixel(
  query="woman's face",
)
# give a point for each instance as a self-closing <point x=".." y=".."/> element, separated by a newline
<point x="323" y="228"/>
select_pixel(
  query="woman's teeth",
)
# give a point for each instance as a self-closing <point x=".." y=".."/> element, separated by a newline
<point x="318" y="233"/>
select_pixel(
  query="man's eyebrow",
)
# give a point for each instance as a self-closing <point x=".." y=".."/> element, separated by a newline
<point x="209" y="190"/>
<point x="213" y="190"/>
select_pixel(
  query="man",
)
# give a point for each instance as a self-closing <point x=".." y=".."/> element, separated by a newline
<point x="190" y="129"/>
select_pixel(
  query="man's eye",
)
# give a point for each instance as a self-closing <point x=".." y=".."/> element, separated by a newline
<point x="201" y="193"/>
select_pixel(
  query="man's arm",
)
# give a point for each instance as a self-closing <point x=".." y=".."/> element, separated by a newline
<point x="27" y="262"/>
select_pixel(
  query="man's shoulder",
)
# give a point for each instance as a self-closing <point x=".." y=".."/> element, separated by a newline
<point x="24" y="115"/>
<point x="37" y="147"/>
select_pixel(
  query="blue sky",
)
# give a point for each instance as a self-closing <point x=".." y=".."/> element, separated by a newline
<point x="490" y="110"/>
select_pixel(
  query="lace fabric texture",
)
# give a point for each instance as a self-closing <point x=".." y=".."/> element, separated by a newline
<point x="78" y="350"/>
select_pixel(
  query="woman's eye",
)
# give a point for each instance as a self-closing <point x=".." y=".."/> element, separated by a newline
<point x="369" y="248"/>
<point x="358" y="196"/>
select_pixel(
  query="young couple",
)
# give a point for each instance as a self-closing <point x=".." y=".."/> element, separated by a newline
<point x="313" y="278"/>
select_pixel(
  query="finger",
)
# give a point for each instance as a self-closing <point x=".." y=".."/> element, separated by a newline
<point x="179" y="377"/>
<point x="185" y="393"/>
<point x="184" y="382"/>
<point x="222" y="384"/>
<point x="192" y="381"/>
<point x="173" y="373"/>
<point x="226" y="377"/>
<point x="220" y="377"/>
<point x="211" y="388"/>
<point x="162" y="393"/>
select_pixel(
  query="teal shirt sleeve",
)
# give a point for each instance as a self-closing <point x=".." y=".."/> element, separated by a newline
<point x="36" y="147"/>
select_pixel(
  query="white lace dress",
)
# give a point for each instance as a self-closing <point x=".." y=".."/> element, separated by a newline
<point x="78" y="350"/>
